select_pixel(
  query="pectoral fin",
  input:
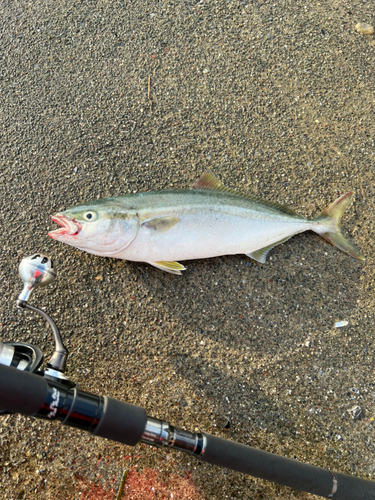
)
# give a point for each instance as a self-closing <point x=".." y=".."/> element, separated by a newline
<point x="261" y="254"/>
<point x="160" y="224"/>
<point x="169" y="267"/>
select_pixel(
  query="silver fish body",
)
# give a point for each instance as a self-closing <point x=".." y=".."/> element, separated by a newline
<point x="199" y="225"/>
<point x="209" y="220"/>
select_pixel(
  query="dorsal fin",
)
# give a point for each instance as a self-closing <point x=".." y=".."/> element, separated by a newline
<point x="209" y="182"/>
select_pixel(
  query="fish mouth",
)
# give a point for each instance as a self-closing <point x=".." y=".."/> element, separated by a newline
<point x="69" y="227"/>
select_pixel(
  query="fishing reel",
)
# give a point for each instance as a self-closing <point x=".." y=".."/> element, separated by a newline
<point x="36" y="270"/>
<point x="51" y="396"/>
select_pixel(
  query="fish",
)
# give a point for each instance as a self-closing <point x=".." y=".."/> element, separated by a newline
<point x="209" y="220"/>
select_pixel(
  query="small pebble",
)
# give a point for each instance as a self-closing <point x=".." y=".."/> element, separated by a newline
<point x="340" y="324"/>
<point x="355" y="412"/>
<point x="364" y="29"/>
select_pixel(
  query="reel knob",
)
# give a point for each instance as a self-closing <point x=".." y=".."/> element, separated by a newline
<point x="35" y="270"/>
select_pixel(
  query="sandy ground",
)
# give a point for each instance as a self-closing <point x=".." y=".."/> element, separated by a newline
<point x="277" y="98"/>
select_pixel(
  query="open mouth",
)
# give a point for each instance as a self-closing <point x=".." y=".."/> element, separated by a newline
<point x="68" y="226"/>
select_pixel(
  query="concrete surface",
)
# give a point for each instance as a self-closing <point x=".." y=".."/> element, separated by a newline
<point x="277" y="98"/>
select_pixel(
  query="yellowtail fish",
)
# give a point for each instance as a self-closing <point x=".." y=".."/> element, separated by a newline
<point x="208" y="220"/>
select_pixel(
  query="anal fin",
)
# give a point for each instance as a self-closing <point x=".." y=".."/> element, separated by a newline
<point x="261" y="254"/>
<point x="169" y="267"/>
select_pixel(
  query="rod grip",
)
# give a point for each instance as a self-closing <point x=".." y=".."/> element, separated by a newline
<point x="21" y="392"/>
<point x="30" y="394"/>
<point x="121" y="422"/>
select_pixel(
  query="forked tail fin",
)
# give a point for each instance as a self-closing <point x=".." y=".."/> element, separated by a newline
<point x="329" y="226"/>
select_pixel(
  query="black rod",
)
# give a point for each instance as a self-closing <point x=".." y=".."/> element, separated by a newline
<point x="286" y="471"/>
<point x="30" y="394"/>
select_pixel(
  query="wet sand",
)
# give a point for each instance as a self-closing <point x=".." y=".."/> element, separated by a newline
<point x="278" y="100"/>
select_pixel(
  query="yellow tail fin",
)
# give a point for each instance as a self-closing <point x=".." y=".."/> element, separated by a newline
<point x="330" y="226"/>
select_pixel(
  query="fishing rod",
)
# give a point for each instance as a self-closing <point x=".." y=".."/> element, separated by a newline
<point x="27" y="389"/>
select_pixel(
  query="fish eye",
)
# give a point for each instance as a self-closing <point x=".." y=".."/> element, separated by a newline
<point x="90" y="216"/>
